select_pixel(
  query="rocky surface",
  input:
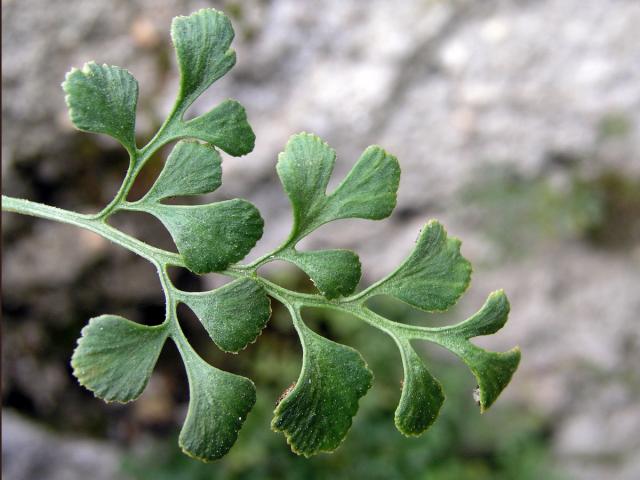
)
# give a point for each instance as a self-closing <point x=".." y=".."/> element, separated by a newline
<point x="28" y="451"/>
<point x="548" y="91"/>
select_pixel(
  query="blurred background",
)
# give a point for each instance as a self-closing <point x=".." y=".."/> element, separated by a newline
<point x="517" y="125"/>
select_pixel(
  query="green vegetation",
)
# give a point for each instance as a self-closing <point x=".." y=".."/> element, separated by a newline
<point x="461" y="445"/>
<point x="518" y="213"/>
<point x="614" y="125"/>
<point x="115" y="357"/>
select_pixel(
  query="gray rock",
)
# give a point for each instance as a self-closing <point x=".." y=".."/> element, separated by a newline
<point x="29" y="452"/>
<point x="453" y="89"/>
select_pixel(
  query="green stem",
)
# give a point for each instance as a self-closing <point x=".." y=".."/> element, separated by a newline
<point x="349" y="305"/>
<point x="162" y="258"/>
<point x="172" y="298"/>
<point x="267" y="257"/>
<point x="88" y="222"/>
<point x="123" y="191"/>
<point x="165" y="134"/>
<point x="137" y="160"/>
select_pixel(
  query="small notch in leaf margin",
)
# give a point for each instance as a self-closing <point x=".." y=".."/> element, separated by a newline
<point x="219" y="403"/>
<point x="115" y="357"/>
<point x="434" y="275"/>
<point x="368" y="191"/>
<point x="492" y="370"/>
<point x="103" y="99"/>
<point x="234" y="315"/>
<point x="202" y="42"/>
<point x="316" y="414"/>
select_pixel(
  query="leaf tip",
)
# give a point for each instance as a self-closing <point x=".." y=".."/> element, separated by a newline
<point x="510" y="361"/>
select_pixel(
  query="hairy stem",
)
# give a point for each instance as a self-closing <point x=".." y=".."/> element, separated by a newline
<point x="89" y="222"/>
<point x="122" y="192"/>
<point x="162" y="258"/>
<point x="137" y="160"/>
